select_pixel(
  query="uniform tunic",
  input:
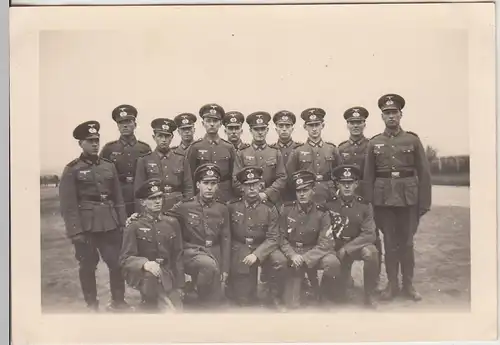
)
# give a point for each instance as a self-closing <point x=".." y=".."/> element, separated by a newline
<point x="217" y="151"/>
<point x="148" y="239"/>
<point x="354" y="153"/>
<point x="181" y="149"/>
<point x="271" y="161"/>
<point x="169" y="168"/>
<point x="286" y="150"/>
<point x="320" y="158"/>
<point x="124" y="153"/>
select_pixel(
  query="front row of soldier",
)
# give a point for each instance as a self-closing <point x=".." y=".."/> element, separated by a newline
<point x="223" y="245"/>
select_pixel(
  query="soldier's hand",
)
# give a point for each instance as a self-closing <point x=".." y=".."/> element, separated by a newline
<point x="130" y="219"/>
<point x="250" y="259"/>
<point x="223" y="277"/>
<point x="153" y="267"/>
<point x="297" y="260"/>
<point x="341" y="253"/>
<point x="79" y="238"/>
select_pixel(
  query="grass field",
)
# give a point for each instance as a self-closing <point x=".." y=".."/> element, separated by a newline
<point x="442" y="273"/>
<point x="459" y="179"/>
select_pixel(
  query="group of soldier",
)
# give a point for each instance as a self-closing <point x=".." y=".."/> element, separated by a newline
<point x="211" y="217"/>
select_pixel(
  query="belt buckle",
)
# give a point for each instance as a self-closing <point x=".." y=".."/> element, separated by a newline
<point x="394" y="173"/>
<point x="129" y="179"/>
<point x="319" y="177"/>
<point x="168" y="189"/>
<point x="104" y="197"/>
<point x="249" y="241"/>
<point x="208" y="243"/>
<point x="299" y="244"/>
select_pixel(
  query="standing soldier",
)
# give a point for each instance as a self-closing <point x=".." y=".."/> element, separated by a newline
<point x="258" y="153"/>
<point x="166" y="164"/>
<point x="213" y="149"/>
<point x="206" y="236"/>
<point x="353" y="152"/>
<point x="284" y="121"/>
<point x="315" y="155"/>
<point x="306" y="244"/>
<point x="233" y="121"/>
<point x="355" y="240"/>
<point x="397" y="183"/>
<point x="151" y="255"/>
<point x="125" y="151"/>
<point x="94" y="214"/>
<point x="254" y="236"/>
<point x="185" y="127"/>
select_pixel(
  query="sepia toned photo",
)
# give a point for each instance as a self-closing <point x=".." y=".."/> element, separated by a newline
<point x="263" y="162"/>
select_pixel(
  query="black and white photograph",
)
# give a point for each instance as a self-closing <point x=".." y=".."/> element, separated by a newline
<point x="272" y="161"/>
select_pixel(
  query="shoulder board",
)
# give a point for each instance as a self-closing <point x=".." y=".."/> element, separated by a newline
<point x="297" y="144"/>
<point x="327" y="142"/>
<point x="145" y="154"/>
<point x="415" y="134"/>
<point x="221" y="202"/>
<point x="174" y="147"/>
<point x="273" y="145"/>
<point x="289" y="203"/>
<point x="227" y="142"/>
<point x="321" y="208"/>
<point x="189" y="199"/>
<point x="170" y="213"/>
<point x="244" y="146"/>
<point x="196" y="141"/>
<point x="376" y="135"/>
<point x="344" y="142"/>
<point x="143" y="143"/>
<point x="112" y="142"/>
<point x="107" y="160"/>
<point x="73" y="162"/>
<point x="234" y="201"/>
<point x="362" y="200"/>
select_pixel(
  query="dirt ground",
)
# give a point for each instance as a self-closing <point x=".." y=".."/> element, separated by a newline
<point x="442" y="273"/>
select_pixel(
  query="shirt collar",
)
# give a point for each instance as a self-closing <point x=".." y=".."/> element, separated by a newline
<point x="313" y="144"/>
<point x="287" y="144"/>
<point x="184" y="146"/>
<point x="259" y="147"/>
<point x="204" y="203"/>
<point x="150" y="217"/>
<point x="161" y="154"/>
<point x="346" y="202"/>
<point x="131" y="141"/>
<point x="89" y="159"/>
<point x="357" y="142"/>
<point x="306" y="209"/>
<point x="253" y="204"/>
<point x="391" y="133"/>
<point x="214" y="141"/>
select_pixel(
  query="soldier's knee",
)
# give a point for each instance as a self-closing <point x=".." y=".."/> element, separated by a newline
<point x="207" y="271"/>
<point x="331" y="265"/>
<point x="150" y="286"/>
<point x="369" y="253"/>
<point x="278" y="260"/>
<point x="87" y="261"/>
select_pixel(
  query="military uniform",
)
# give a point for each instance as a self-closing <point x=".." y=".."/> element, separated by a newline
<point x="357" y="237"/>
<point x="184" y="120"/>
<point x="286" y="149"/>
<point x="217" y="151"/>
<point x="254" y="230"/>
<point x="167" y="166"/>
<point x="207" y="241"/>
<point x="124" y="153"/>
<point x="304" y="230"/>
<point x="265" y="157"/>
<point x="158" y="239"/>
<point x="93" y="211"/>
<point x="234" y="119"/>
<point x="319" y="158"/>
<point x="397" y="182"/>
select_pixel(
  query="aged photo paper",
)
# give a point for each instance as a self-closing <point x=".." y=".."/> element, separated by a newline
<point x="75" y="64"/>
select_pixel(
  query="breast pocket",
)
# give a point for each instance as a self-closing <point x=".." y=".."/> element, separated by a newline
<point x="407" y="153"/>
<point x="249" y="161"/>
<point x="222" y="160"/>
<point x="84" y="176"/>
<point x="202" y="156"/>
<point x="153" y="169"/>
<point x="305" y="158"/>
<point x="145" y="242"/>
<point x="381" y="155"/>
<point x="271" y="162"/>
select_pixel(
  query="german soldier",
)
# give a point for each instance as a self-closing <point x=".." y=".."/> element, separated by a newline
<point x="262" y="155"/>
<point x="233" y="123"/>
<point x="206" y="236"/>
<point x="125" y="151"/>
<point x="315" y="155"/>
<point x="185" y="127"/>
<point x="304" y="227"/>
<point x="254" y="236"/>
<point x="94" y="214"/>
<point x="165" y="164"/>
<point x="151" y="255"/>
<point x="213" y="149"/>
<point x="355" y="240"/>
<point x="397" y="182"/>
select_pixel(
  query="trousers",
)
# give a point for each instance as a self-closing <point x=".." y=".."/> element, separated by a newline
<point x="206" y="274"/>
<point x="153" y="294"/>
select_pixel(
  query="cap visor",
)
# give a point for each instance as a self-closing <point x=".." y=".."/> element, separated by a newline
<point x="390" y="107"/>
<point x="355" y="119"/>
<point x="251" y="181"/>
<point x="162" y="132"/>
<point x="185" y="126"/>
<point x="346" y="180"/>
<point x="209" y="178"/>
<point x="304" y="186"/>
<point x="314" y="121"/>
<point x="125" y="118"/>
<point x="259" y="126"/>
<point x="284" y="122"/>
<point x="233" y="125"/>
<point x="212" y="116"/>
<point x="155" y="195"/>
<point x="92" y="136"/>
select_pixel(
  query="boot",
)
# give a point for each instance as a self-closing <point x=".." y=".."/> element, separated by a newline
<point x="370" y="301"/>
<point x="410" y="292"/>
<point x="390" y="292"/>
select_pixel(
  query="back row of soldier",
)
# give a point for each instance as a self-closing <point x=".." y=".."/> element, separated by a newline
<point x="214" y="209"/>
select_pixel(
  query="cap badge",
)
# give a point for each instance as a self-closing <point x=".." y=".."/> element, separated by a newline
<point x="389" y="101"/>
<point x="123" y="112"/>
<point x="250" y="175"/>
<point x="154" y="188"/>
<point x="259" y="121"/>
<point x="356" y="113"/>
<point x="165" y="127"/>
<point x="184" y="121"/>
<point x="233" y="119"/>
<point x="299" y="181"/>
<point x="312" y="117"/>
<point x="284" y="118"/>
<point x="213" y="112"/>
<point x="347" y="172"/>
<point x="210" y="172"/>
<point x="92" y="130"/>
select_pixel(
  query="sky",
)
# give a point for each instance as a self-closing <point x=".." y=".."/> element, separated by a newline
<point x="248" y="63"/>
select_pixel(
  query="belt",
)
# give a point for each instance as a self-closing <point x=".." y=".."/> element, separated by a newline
<point x="395" y="174"/>
<point x="169" y="189"/>
<point x="127" y="179"/>
<point x="96" y="198"/>
<point x="344" y="238"/>
<point x="321" y="178"/>
<point x="207" y="243"/>
<point x="300" y="244"/>
<point x="249" y="240"/>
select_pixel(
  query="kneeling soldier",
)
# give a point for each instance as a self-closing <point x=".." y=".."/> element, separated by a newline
<point x="355" y="240"/>
<point x="304" y="226"/>
<point x="254" y="236"/>
<point x="151" y="255"/>
<point x="206" y="236"/>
